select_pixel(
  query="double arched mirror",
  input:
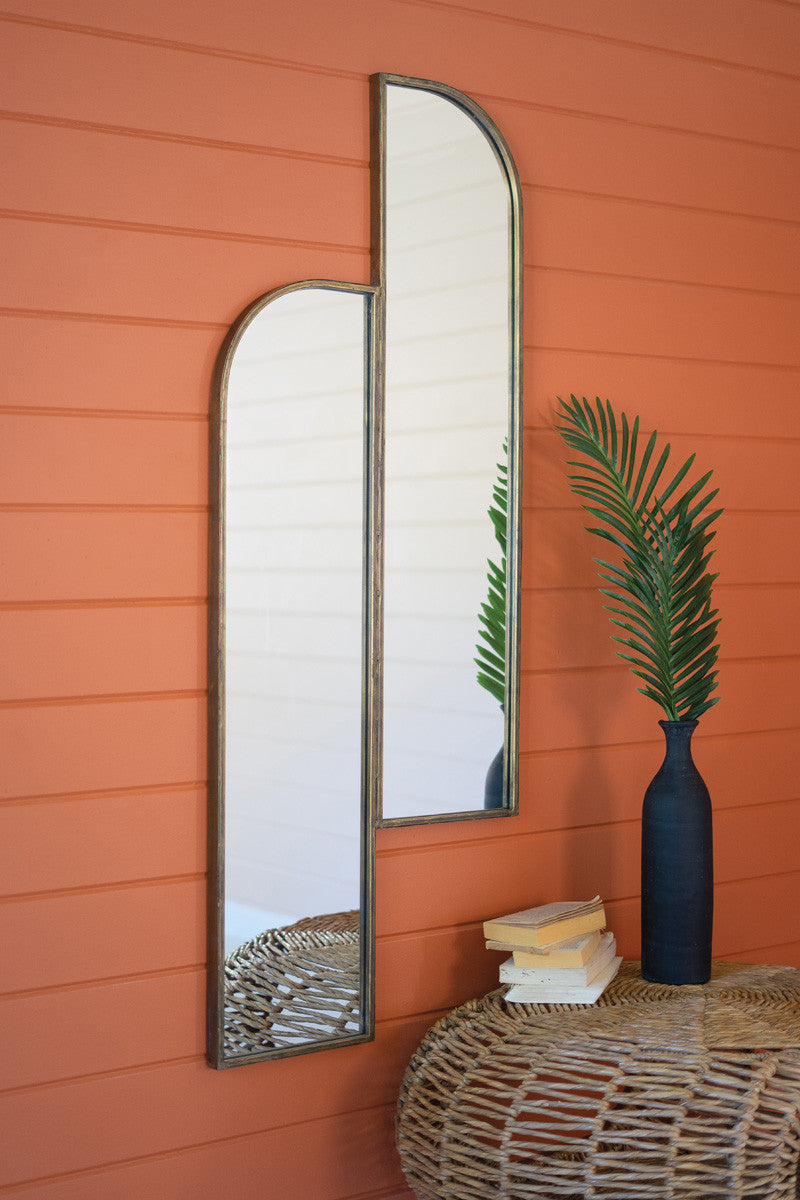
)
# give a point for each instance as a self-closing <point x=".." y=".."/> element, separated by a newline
<point x="365" y="553"/>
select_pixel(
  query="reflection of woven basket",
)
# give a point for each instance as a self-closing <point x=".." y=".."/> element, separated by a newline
<point x="294" y="985"/>
<point x="655" y="1091"/>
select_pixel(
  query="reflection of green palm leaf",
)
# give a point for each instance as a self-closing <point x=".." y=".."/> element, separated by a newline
<point x="661" y="593"/>
<point x="491" y="648"/>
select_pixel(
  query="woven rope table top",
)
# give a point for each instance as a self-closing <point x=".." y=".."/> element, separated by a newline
<point x="654" y="1091"/>
<point x="742" y="1006"/>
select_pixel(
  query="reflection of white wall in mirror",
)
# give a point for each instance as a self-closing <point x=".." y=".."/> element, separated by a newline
<point x="447" y="401"/>
<point x="293" y="581"/>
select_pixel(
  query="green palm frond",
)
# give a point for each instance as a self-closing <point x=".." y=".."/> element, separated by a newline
<point x="491" y="659"/>
<point x="660" y="591"/>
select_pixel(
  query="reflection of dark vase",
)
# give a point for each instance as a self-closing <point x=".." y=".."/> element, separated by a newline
<point x="677" y="866"/>
<point x="494" y="793"/>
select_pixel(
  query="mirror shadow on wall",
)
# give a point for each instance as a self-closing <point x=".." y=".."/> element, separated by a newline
<point x="319" y="386"/>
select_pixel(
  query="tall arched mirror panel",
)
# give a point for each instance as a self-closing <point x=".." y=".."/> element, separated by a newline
<point x="449" y="241"/>
<point x="293" y="932"/>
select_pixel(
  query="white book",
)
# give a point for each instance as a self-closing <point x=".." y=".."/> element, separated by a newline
<point x="560" y="993"/>
<point x="512" y="972"/>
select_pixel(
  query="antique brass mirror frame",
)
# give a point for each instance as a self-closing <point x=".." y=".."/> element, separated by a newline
<point x="374" y="295"/>
<point x="380" y="154"/>
<point x="217" y="1055"/>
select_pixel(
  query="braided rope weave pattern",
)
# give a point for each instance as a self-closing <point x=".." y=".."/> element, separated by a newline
<point x="655" y="1091"/>
<point x="293" y="985"/>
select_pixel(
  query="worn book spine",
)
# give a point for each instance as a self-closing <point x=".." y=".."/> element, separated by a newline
<point x="516" y="934"/>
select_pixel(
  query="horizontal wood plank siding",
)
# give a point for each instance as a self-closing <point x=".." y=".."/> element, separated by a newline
<point x="167" y="165"/>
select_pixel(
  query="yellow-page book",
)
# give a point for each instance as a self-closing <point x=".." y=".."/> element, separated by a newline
<point x="575" y="952"/>
<point x="546" y="924"/>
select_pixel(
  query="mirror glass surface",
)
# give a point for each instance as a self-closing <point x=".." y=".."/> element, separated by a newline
<point x="292" y="639"/>
<point x="450" y="405"/>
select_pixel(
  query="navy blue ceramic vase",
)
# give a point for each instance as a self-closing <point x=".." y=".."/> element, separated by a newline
<point x="494" y="793"/>
<point x="677" y="866"/>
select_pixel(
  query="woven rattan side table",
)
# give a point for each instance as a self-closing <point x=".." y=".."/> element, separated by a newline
<point x="653" y="1092"/>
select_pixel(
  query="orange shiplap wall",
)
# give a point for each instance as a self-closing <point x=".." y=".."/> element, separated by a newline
<point x="165" y="164"/>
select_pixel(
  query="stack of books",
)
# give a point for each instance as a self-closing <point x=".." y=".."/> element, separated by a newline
<point x="560" y="954"/>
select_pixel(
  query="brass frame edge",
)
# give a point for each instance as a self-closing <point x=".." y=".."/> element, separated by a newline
<point x="488" y="127"/>
<point x="216" y="697"/>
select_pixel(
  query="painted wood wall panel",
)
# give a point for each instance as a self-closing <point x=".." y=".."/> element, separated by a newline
<point x="605" y="783"/>
<point x="453" y="963"/>
<point x="182" y="1105"/>
<point x="102" y="461"/>
<point x="694" y="396"/>
<point x="277" y="1160"/>
<point x="76" y="1034"/>
<point x="63" y="554"/>
<point x="681" y="27"/>
<point x="200" y="180"/>
<point x="195" y="157"/>
<point x="68" y="1033"/>
<point x="587" y="153"/>
<point x="653" y="240"/>
<point x="568" y="69"/>
<point x="590" y="312"/>
<point x="741" y="556"/>
<point x="102" y="651"/>
<point x="118" y="365"/>
<point x="142" y="88"/>
<point x="749" y="914"/>
<point x="754" y="36"/>
<point x="101" y="745"/>
<point x="546" y="482"/>
<point x="576" y="153"/>
<point x="579" y="708"/>
<point x="752" y="843"/>
<point x="163" y="925"/>
<point x="96" y="839"/>
<point x="757" y="841"/>
<point x="569" y="631"/>
<point x="116" y="272"/>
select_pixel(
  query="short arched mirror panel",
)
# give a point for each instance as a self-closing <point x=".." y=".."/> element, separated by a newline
<point x="450" y="263"/>
<point x="293" y="935"/>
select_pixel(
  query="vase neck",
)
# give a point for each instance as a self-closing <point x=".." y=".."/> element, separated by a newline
<point x="678" y="728"/>
<point x="678" y="736"/>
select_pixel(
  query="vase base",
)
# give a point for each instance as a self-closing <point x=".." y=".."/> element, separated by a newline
<point x="676" y="971"/>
